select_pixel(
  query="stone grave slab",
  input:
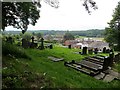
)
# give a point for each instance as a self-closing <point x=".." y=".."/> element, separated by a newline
<point x="99" y="76"/>
<point x="90" y="65"/>
<point x="108" y="78"/>
<point x="55" y="59"/>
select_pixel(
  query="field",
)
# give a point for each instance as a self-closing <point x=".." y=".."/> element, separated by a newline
<point x="40" y="72"/>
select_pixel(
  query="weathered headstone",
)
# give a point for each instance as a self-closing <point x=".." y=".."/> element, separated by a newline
<point x="111" y="56"/>
<point x="42" y="43"/>
<point x="107" y="50"/>
<point x="51" y="46"/>
<point x="96" y="50"/>
<point x="32" y="39"/>
<point x="90" y="51"/>
<point x="117" y="58"/>
<point x="25" y="43"/>
<point x="69" y="46"/>
<point x="84" y="51"/>
<point x="9" y="40"/>
<point x="104" y="50"/>
<point x="105" y="63"/>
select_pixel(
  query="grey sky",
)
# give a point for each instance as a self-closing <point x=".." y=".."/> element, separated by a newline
<point x="71" y="15"/>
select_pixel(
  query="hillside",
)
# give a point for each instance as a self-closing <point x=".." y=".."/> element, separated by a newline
<point x="40" y="72"/>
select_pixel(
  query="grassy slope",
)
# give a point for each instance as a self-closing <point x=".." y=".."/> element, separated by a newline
<point x="42" y="72"/>
<point x="60" y="75"/>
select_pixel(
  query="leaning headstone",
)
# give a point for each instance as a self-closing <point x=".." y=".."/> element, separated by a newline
<point x="42" y="43"/>
<point x="69" y="46"/>
<point x="84" y="51"/>
<point x="96" y="50"/>
<point x="104" y="50"/>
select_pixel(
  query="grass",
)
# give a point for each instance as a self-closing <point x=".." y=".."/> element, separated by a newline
<point x="50" y="74"/>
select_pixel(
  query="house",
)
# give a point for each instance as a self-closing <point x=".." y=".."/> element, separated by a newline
<point x="99" y="44"/>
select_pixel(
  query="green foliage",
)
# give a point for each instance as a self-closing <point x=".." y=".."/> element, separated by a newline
<point x="113" y="31"/>
<point x="13" y="51"/>
<point x="27" y="36"/>
<point x="68" y="36"/>
<point x="20" y="14"/>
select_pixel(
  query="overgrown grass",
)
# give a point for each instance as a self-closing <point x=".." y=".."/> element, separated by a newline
<point x="14" y="51"/>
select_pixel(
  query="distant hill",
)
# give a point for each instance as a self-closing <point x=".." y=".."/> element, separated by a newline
<point x="87" y="33"/>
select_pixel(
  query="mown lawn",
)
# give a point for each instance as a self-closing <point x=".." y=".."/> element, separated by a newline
<point x="41" y="72"/>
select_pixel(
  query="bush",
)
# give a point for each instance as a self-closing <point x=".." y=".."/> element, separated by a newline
<point x="9" y="49"/>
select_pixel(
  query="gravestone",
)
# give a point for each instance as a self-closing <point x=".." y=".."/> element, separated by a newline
<point x="111" y="57"/>
<point x="84" y="51"/>
<point x="51" y="46"/>
<point x="9" y="40"/>
<point x="69" y="46"/>
<point x="42" y="43"/>
<point x="117" y="58"/>
<point x="107" y="50"/>
<point x="25" y="43"/>
<point x="32" y="39"/>
<point x="96" y="50"/>
<point x="105" y="63"/>
<point x="104" y="50"/>
<point x="90" y="51"/>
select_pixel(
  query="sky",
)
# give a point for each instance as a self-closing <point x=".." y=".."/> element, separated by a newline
<point x="71" y="15"/>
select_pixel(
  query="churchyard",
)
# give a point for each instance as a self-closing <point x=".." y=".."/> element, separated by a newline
<point x="31" y="63"/>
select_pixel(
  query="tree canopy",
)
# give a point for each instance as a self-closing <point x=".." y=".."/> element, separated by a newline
<point x="20" y="14"/>
<point x="113" y="31"/>
<point x="68" y="36"/>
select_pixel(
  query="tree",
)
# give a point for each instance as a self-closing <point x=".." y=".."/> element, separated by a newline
<point x="68" y="36"/>
<point x="113" y="31"/>
<point x="20" y="14"/>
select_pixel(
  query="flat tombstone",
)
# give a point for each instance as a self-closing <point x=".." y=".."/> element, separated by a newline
<point x="84" y="51"/>
<point x="104" y="50"/>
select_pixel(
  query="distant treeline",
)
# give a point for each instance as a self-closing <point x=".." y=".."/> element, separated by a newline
<point x="87" y="33"/>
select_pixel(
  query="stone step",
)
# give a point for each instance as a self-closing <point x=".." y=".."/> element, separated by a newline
<point x="90" y="65"/>
<point x="94" y="61"/>
<point x="82" y="69"/>
<point x="100" y="57"/>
